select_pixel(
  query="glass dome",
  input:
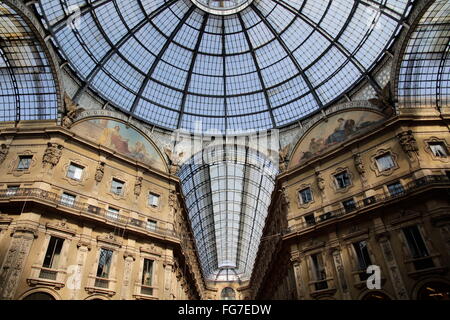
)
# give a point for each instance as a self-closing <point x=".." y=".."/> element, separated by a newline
<point x="254" y="65"/>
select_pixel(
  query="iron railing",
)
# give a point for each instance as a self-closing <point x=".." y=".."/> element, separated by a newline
<point x="370" y="201"/>
<point x="82" y="207"/>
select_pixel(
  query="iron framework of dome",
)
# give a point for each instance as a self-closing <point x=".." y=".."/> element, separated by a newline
<point x="175" y="65"/>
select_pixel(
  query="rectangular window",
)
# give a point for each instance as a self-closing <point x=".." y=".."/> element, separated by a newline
<point x="362" y="254"/>
<point x="342" y="180"/>
<point x="349" y="205"/>
<point x="12" y="190"/>
<point x="153" y="200"/>
<point x="417" y="248"/>
<point x="364" y="261"/>
<point x="305" y="196"/>
<point x="24" y="162"/>
<point x="147" y="274"/>
<point x="396" y="189"/>
<point x="319" y="272"/>
<point x="68" y="199"/>
<point x="117" y="187"/>
<point x="75" y="172"/>
<point x="385" y="162"/>
<point x="112" y="213"/>
<point x="53" y="253"/>
<point x="104" y="263"/>
<point x="438" y="149"/>
<point x="51" y="259"/>
<point x="151" y="225"/>
<point x="415" y="242"/>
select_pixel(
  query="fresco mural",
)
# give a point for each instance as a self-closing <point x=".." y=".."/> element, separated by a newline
<point x="125" y="140"/>
<point x="339" y="128"/>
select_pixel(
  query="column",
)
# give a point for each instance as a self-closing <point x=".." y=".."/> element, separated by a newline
<point x="15" y="259"/>
<point x="394" y="273"/>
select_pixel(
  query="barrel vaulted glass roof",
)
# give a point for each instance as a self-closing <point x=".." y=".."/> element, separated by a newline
<point x="175" y="65"/>
<point x="228" y="192"/>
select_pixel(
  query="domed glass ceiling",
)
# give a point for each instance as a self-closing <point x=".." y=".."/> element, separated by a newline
<point x="254" y="65"/>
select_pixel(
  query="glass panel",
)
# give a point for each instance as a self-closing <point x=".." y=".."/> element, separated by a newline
<point x="104" y="263"/>
<point x="53" y="253"/>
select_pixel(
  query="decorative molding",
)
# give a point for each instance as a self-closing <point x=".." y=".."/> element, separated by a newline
<point x="74" y="182"/>
<point x="333" y="182"/>
<point x="408" y="143"/>
<point x="61" y="226"/>
<point x="12" y="165"/>
<point x="52" y="155"/>
<point x="374" y="165"/>
<point x="430" y="152"/>
<point x="110" y="239"/>
<point x="302" y="187"/>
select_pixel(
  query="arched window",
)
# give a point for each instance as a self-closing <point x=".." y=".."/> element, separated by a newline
<point x="39" y="296"/>
<point x="228" y="294"/>
<point x="434" y="291"/>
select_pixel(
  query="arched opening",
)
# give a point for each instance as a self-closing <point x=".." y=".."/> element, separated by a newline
<point x="228" y="294"/>
<point x="39" y="296"/>
<point x="434" y="291"/>
<point x="375" y="296"/>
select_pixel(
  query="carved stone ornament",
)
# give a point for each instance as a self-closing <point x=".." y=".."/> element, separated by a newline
<point x="384" y="100"/>
<point x="71" y="111"/>
<point x="174" y="159"/>
<point x="52" y="155"/>
<point x="408" y="142"/>
<point x="3" y="152"/>
<point x="138" y="186"/>
<point x="320" y="181"/>
<point x="359" y="164"/>
<point x="283" y="158"/>
<point x="100" y="172"/>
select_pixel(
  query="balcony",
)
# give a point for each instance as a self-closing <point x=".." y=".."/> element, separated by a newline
<point x="46" y="277"/>
<point x="143" y="292"/>
<point x="29" y="194"/>
<point x="411" y="187"/>
<point x="101" y="285"/>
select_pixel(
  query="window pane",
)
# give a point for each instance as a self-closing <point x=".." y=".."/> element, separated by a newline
<point x="415" y="242"/>
<point x="153" y="200"/>
<point x="104" y="263"/>
<point x="52" y="255"/>
<point x="117" y="186"/>
<point x="385" y="162"/>
<point x="75" y="172"/>
<point x="24" y="162"/>
<point x="68" y="199"/>
<point x="438" y="149"/>
<point x="147" y="273"/>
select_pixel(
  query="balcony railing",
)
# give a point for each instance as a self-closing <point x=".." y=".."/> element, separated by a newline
<point x="85" y="208"/>
<point x="370" y="201"/>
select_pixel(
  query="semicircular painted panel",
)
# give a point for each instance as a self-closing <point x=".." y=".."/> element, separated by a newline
<point x="326" y="135"/>
<point x="121" y="138"/>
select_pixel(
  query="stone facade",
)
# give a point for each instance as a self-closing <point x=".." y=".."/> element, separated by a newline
<point x="316" y="255"/>
<point x="41" y="201"/>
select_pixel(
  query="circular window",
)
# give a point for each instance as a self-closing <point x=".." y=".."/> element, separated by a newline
<point x="222" y="7"/>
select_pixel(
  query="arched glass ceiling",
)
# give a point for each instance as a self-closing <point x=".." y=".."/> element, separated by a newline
<point x="228" y="191"/>
<point x="171" y="64"/>
<point x="424" y="79"/>
<point x="27" y="85"/>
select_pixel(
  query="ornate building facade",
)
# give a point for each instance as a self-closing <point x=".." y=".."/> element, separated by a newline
<point x="322" y="170"/>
